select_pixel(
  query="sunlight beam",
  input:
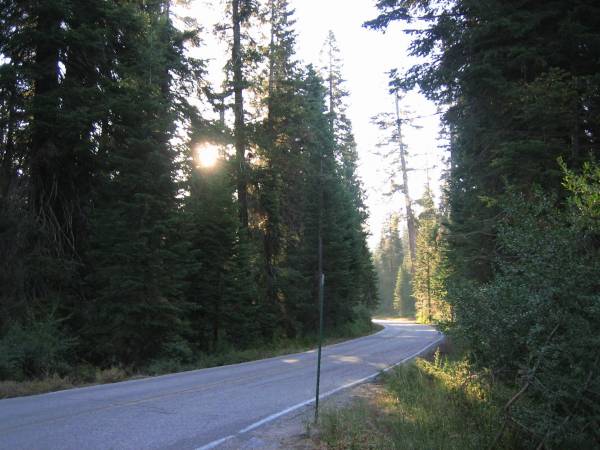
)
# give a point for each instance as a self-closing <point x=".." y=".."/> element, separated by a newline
<point x="206" y="155"/>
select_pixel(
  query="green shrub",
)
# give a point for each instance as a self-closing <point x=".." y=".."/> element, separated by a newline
<point x="536" y="321"/>
<point x="162" y="366"/>
<point x="359" y="326"/>
<point x="33" y="350"/>
<point x="175" y="355"/>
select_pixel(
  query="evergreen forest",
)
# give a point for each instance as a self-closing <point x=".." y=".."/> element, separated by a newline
<point x="508" y="260"/>
<point x="119" y="248"/>
<point x="123" y="245"/>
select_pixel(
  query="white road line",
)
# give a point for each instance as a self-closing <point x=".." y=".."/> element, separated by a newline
<point x="213" y="444"/>
<point x="275" y="416"/>
<point x="272" y="417"/>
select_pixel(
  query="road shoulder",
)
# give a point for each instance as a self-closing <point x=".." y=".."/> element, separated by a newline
<point x="296" y="431"/>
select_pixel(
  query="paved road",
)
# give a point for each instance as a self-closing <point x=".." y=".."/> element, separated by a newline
<point x="199" y="409"/>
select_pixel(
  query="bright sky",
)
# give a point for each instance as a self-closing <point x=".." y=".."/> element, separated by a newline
<point x="367" y="55"/>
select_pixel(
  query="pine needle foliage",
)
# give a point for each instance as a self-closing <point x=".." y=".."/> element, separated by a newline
<point x="117" y="250"/>
<point x="519" y="83"/>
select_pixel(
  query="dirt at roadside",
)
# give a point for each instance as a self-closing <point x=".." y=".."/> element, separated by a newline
<point x="295" y="431"/>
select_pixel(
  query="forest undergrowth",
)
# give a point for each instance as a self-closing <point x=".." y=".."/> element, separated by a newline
<point x="434" y="402"/>
<point x="179" y="361"/>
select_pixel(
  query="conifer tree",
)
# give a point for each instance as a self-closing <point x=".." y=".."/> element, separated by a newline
<point x="241" y="11"/>
<point x="209" y="227"/>
<point x="519" y="81"/>
<point x="388" y="258"/>
<point x="294" y="136"/>
<point x="346" y="156"/>
<point x="346" y="151"/>
<point x="404" y="302"/>
<point x="276" y="175"/>
<point x="110" y="232"/>
<point x="396" y="155"/>
<point x="135" y="288"/>
<point x="92" y="100"/>
<point x="51" y="99"/>
<point x="428" y="278"/>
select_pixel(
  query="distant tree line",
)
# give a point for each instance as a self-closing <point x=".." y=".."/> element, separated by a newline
<point x="513" y="266"/>
<point x="115" y="247"/>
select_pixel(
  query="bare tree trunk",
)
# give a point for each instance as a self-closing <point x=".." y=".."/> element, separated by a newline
<point x="8" y="173"/>
<point x="238" y="109"/>
<point x="410" y="218"/>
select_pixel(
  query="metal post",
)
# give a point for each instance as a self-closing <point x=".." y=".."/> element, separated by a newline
<point x="321" y="288"/>
<point x="321" y="280"/>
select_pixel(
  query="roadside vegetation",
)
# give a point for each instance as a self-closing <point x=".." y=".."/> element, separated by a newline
<point x="57" y="375"/>
<point x="507" y="260"/>
<point x="436" y="403"/>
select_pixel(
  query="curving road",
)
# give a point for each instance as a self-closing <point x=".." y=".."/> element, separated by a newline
<point x="203" y="408"/>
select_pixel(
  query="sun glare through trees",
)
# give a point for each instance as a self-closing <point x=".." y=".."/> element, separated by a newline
<point x="178" y="178"/>
<point x="206" y="155"/>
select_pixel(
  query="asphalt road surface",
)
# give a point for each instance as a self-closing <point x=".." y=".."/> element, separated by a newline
<point x="200" y="409"/>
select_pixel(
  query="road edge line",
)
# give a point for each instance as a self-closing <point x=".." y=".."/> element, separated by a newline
<point x="213" y="444"/>
<point x="283" y="412"/>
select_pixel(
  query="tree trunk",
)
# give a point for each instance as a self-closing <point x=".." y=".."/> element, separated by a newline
<point x="8" y="172"/>
<point x="429" y="315"/>
<point x="238" y="109"/>
<point x="410" y="218"/>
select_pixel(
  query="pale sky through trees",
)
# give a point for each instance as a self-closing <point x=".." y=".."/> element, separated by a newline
<point x="367" y="55"/>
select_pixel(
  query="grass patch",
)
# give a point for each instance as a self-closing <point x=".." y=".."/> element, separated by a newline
<point x="438" y="404"/>
<point x="86" y="375"/>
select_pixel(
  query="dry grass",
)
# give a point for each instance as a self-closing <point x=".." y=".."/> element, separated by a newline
<point x="19" y="388"/>
<point x="57" y="383"/>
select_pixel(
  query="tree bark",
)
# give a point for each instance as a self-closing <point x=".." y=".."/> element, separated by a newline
<point x="238" y="109"/>
<point x="43" y="152"/>
<point x="410" y="217"/>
